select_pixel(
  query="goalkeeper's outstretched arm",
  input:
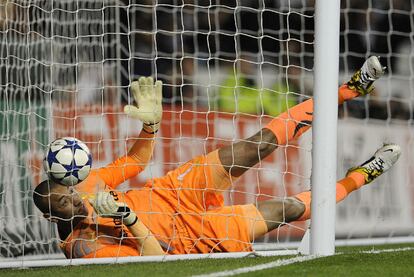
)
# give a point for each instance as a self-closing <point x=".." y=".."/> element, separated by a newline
<point x="149" y="245"/>
<point x="147" y="108"/>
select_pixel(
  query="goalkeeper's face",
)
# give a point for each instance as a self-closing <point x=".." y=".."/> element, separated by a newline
<point x="66" y="203"/>
<point x="58" y="202"/>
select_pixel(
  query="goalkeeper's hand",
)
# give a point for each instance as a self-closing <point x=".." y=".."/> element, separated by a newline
<point x="106" y="206"/>
<point x="148" y="99"/>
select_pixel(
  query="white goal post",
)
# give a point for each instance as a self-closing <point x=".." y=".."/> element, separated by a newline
<point x="324" y="139"/>
<point x="66" y="67"/>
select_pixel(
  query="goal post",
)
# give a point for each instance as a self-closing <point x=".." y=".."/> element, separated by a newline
<point x="324" y="133"/>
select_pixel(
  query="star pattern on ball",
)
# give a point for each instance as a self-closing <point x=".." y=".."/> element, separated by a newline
<point x="71" y="161"/>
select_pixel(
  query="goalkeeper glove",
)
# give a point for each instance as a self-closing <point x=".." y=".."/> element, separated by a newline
<point x="106" y="206"/>
<point x="148" y="98"/>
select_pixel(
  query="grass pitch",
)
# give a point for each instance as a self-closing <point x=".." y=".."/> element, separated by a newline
<point x="389" y="260"/>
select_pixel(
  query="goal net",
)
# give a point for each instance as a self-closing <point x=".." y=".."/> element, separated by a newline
<point x="228" y="67"/>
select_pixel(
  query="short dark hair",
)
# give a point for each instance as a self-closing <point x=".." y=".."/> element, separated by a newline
<point x="41" y="195"/>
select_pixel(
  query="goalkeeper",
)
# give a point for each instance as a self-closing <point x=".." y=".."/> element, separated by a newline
<point x="182" y="212"/>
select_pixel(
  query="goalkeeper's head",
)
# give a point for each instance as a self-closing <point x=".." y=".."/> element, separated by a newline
<point x="58" y="202"/>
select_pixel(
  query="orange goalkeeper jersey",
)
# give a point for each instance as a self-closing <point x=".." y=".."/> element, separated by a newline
<point x="181" y="209"/>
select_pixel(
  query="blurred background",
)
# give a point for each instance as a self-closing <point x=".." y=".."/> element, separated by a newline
<point x="200" y="49"/>
<point x="228" y="67"/>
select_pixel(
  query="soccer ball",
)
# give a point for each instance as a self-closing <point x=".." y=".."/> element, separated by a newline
<point x="68" y="161"/>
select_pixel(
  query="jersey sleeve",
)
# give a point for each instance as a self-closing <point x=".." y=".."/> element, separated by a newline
<point x="119" y="171"/>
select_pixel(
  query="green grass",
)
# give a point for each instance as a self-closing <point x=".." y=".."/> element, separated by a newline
<point x="351" y="262"/>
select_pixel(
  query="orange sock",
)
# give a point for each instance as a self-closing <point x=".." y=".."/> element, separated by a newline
<point x="292" y="123"/>
<point x="345" y="93"/>
<point x="298" y="119"/>
<point x="344" y="187"/>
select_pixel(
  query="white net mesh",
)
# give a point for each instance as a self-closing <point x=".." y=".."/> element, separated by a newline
<point x="49" y="50"/>
<point x="379" y="28"/>
<point x="66" y="66"/>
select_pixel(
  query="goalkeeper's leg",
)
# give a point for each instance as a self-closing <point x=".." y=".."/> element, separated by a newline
<point x="271" y="214"/>
<point x="239" y="157"/>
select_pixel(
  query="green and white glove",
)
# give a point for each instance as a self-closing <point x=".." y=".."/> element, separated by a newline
<point x="148" y="99"/>
<point x="106" y="206"/>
